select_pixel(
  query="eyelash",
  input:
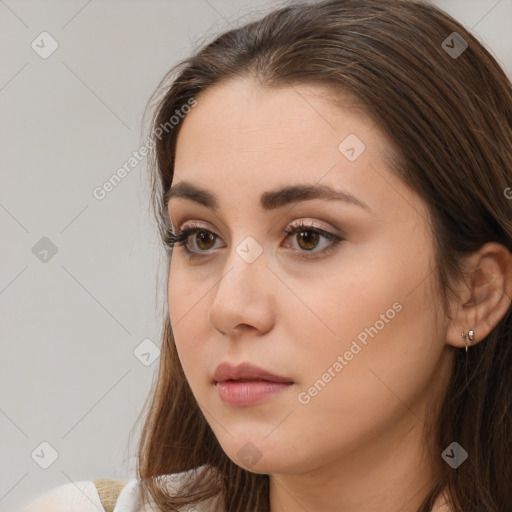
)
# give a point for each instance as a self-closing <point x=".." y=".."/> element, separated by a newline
<point x="182" y="236"/>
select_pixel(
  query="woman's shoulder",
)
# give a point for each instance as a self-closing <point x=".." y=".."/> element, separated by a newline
<point x="130" y="499"/>
<point x="109" y="495"/>
<point x="79" y="496"/>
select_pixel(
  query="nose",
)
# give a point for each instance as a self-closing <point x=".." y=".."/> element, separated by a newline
<point x="244" y="298"/>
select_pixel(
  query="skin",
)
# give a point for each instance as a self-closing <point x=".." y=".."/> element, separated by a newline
<point x="357" y="445"/>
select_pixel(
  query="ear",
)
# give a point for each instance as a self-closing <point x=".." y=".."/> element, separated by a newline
<point x="485" y="296"/>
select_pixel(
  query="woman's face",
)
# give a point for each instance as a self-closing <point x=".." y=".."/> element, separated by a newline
<point x="350" y="326"/>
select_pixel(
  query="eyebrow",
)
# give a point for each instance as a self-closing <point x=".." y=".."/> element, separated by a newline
<point x="271" y="200"/>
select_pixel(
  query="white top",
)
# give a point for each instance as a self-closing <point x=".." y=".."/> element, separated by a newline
<point x="83" y="496"/>
<point x="80" y="496"/>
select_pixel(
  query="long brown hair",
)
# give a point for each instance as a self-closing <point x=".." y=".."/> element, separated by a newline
<point x="449" y="118"/>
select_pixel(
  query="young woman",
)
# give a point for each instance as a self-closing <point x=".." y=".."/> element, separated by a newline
<point x="335" y="193"/>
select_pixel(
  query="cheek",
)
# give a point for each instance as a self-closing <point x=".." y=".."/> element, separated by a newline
<point x="384" y="331"/>
<point x="377" y="300"/>
<point x="187" y="313"/>
<point x="344" y="299"/>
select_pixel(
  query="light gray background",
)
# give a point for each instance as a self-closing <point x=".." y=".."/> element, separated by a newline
<point x="70" y="325"/>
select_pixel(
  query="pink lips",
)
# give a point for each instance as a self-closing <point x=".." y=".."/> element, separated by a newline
<point x="246" y="385"/>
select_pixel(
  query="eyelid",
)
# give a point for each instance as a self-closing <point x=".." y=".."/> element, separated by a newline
<point x="314" y="224"/>
<point x="309" y="222"/>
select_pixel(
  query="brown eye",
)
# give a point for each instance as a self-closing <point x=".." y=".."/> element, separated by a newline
<point x="204" y="237"/>
<point x="310" y="238"/>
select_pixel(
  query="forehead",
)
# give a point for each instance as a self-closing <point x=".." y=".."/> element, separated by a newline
<point x="243" y="139"/>
<point x="241" y="116"/>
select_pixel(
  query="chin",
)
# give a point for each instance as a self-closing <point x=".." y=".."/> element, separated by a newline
<point x="264" y="456"/>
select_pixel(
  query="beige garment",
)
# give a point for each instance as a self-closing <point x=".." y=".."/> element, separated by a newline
<point x="109" y="491"/>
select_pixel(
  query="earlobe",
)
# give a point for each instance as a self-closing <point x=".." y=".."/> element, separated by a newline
<point x="485" y="298"/>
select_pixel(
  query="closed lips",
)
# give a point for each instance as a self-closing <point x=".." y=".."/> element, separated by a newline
<point x="245" y="372"/>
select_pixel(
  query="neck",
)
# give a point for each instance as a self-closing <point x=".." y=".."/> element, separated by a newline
<point x="389" y="474"/>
